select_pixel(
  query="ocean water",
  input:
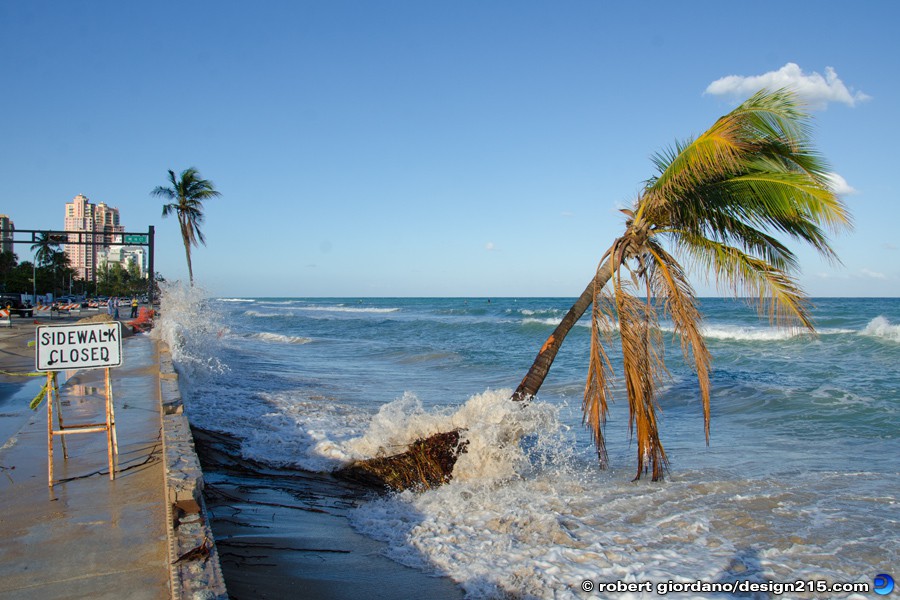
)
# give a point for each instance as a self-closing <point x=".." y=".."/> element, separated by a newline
<point x="799" y="481"/>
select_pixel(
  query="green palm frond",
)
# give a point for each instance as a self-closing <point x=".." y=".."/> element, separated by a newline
<point x="775" y="291"/>
<point x="188" y="191"/>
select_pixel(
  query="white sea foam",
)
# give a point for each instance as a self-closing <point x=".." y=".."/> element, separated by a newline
<point x="511" y="524"/>
<point x="749" y="333"/>
<point x="279" y="338"/>
<point x="310" y="432"/>
<point x="880" y="327"/>
<point x="553" y="321"/>
<point x="528" y="312"/>
<point x="264" y="315"/>
<point x="743" y="333"/>
<point x="188" y="323"/>
<point x="349" y="309"/>
<point x="248" y="300"/>
<point x="492" y="428"/>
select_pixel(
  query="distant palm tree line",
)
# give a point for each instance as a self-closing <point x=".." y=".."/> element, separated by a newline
<point x="52" y="272"/>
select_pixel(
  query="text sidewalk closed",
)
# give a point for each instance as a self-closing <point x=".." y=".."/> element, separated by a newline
<point x="79" y="346"/>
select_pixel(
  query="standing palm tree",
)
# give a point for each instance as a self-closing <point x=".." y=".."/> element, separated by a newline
<point x="44" y="248"/>
<point x="61" y="267"/>
<point x="187" y="193"/>
<point x="718" y="201"/>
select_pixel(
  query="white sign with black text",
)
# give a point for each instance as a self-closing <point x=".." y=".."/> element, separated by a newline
<point x="79" y="346"/>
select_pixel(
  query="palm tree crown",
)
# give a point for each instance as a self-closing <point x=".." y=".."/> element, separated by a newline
<point x="44" y="248"/>
<point x="718" y="202"/>
<point x="187" y="192"/>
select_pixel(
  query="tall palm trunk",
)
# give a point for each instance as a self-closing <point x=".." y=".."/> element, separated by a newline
<point x="541" y="366"/>
<point x="187" y="249"/>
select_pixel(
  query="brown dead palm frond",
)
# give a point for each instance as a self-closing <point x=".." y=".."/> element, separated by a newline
<point x="642" y="368"/>
<point x="670" y="282"/>
<point x="595" y="405"/>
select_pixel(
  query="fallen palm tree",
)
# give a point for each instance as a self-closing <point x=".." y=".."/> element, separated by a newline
<point x="717" y="201"/>
<point x="427" y="463"/>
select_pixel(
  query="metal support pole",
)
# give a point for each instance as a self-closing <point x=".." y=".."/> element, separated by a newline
<point x="152" y="275"/>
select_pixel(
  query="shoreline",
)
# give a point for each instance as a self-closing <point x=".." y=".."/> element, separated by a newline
<point x="283" y="529"/>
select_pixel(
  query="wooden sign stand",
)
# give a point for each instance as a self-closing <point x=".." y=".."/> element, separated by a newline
<point x="79" y="346"/>
<point x="112" y="444"/>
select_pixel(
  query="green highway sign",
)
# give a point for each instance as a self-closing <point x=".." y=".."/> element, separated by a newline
<point x="135" y="239"/>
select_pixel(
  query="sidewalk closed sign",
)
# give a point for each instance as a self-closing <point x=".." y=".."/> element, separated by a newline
<point x="80" y="346"/>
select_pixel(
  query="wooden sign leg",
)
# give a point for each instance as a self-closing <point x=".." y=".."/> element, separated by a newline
<point x="59" y="417"/>
<point x="112" y="444"/>
<point x="49" y="400"/>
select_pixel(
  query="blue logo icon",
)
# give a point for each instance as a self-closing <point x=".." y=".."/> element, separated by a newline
<point x="884" y="584"/>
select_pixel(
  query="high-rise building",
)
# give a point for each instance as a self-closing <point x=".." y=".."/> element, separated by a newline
<point x="6" y="233"/>
<point x="100" y="224"/>
<point x="124" y="255"/>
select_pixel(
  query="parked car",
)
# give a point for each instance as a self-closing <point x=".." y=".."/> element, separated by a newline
<point x="16" y="306"/>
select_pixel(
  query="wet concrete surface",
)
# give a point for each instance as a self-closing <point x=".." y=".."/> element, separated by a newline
<point x="88" y="536"/>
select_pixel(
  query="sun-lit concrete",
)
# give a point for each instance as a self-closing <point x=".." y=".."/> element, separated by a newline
<point x="87" y="536"/>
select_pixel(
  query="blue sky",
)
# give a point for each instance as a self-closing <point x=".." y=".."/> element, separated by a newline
<point x="426" y="148"/>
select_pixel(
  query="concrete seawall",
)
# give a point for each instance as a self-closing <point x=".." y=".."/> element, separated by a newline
<point x="195" y="572"/>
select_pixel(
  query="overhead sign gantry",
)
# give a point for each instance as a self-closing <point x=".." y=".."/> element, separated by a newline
<point x="86" y="238"/>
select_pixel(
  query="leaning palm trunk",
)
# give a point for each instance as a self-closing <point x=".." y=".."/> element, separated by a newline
<point x="533" y="380"/>
<point x="718" y="201"/>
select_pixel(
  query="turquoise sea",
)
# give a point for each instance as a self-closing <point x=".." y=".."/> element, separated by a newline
<point x="799" y="481"/>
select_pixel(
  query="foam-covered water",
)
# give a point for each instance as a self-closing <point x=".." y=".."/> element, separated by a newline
<point x="799" y="482"/>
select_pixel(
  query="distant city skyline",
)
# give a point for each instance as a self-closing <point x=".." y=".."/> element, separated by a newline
<point x="94" y="223"/>
<point x="101" y="224"/>
<point x="428" y="149"/>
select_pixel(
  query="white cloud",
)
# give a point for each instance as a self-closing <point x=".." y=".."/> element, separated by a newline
<point x="817" y="90"/>
<point x="840" y="186"/>
<point x="489" y="247"/>
<point x="873" y="274"/>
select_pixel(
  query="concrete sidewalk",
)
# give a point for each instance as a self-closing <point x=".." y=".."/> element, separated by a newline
<point x="87" y="536"/>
